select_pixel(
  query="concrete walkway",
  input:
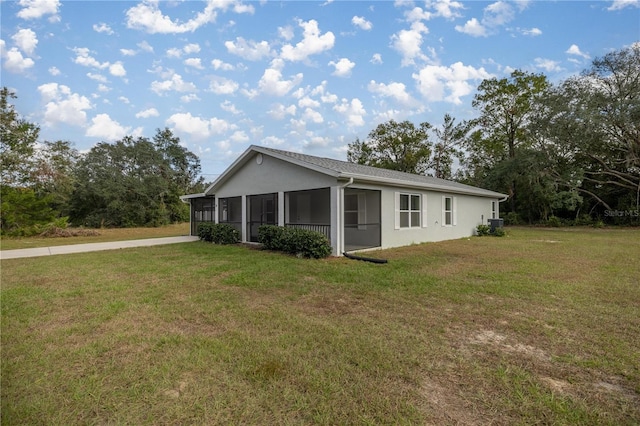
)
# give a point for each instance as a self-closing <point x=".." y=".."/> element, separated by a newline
<point x="83" y="248"/>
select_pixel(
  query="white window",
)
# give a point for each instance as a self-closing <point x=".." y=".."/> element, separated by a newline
<point x="449" y="211"/>
<point x="494" y="210"/>
<point x="408" y="210"/>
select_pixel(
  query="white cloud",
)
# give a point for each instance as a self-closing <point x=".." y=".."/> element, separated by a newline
<point x="104" y="127"/>
<point x="194" y="63"/>
<point x="312" y="115"/>
<point x="34" y="9"/>
<point x="128" y="52"/>
<point x="196" y="127"/>
<point x="54" y="71"/>
<point x="14" y="61"/>
<point x="97" y="77"/>
<point x="272" y="82"/>
<point x="409" y="43"/>
<point x="575" y="50"/>
<point x="222" y="86"/>
<point x="230" y="107"/>
<point x="279" y="111"/>
<point x="150" y="112"/>
<point x="498" y="13"/>
<point x="26" y="40"/>
<point x="189" y="98"/>
<point x="473" y="28"/>
<point x="84" y="58"/>
<point x="312" y="43"/>
<point x="442" y="83"/>
<point x="394" y="90"/>
<point x="145" y="46"/>
<point x="249" y="49"/>
<point x="447" y="9"/>
<point x="532" y="32"/>
<point x="353" y="111"/>
<point x="63" y="106"/>
<point x="191" y="48"/>
<point x="175" y="83"/>
<point x="621" y="4"/>
<point x="117" y="69"/>
<point x="221" y="65"/>
<point x="102" y="28"/>
<point x="547" y="64"/>
<point x="147" y="16"/>
<point x="239" y="136"/>
<point x="361" y="23"/>
<point x="124" y="100"/>
<point x="343" y="67"/>
<point x="103" y="88"/>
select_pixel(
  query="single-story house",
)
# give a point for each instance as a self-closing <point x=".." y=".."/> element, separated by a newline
<point x="357" y="207"/>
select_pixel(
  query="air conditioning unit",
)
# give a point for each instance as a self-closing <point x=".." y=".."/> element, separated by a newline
<point x="495" y="223"/>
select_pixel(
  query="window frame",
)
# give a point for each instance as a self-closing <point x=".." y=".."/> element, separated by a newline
<point x="452" y="211"/>
<point x="410" y="211"/>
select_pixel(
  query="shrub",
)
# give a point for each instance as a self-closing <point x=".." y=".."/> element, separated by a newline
<point x="512" y="218"/>
<point x="218" y="233"/>
<point x="499" y="232"/>
<point x="299" y="242"/>
<point x="483" y="230"/>
<point x="554" y="221"/>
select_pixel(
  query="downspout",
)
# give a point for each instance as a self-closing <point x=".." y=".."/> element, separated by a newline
<point x="340" y="230"/>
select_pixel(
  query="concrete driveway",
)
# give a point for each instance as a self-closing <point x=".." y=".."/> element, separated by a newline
<point x="83" y="248"/>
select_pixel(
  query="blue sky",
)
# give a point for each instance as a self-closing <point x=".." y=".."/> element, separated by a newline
<point x="305" y="76"/>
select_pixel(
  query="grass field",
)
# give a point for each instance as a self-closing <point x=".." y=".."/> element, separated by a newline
<point x="105" y="234"/>
<point x="539" y="327"/>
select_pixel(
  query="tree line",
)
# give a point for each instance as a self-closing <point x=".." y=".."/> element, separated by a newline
<point x="565" y="152"/>
<point x="132" y="182"/>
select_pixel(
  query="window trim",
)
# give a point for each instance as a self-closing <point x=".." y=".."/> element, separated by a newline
<point x="421" y="210"/>
<point x="453" y="211"/>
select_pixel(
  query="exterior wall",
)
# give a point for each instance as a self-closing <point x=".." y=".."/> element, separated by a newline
<point x="470" y="211"/>
<point x="273" y="175"/>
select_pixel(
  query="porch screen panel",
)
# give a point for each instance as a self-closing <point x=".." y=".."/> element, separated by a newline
<point x="202" y="210"/>
<point x="361" y="219"/>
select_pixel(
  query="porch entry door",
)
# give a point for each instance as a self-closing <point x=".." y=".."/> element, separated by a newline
<point x="263" y="210"/>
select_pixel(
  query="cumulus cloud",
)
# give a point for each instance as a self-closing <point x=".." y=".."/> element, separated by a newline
<point x="196" y="127"/>
<point x="222" y="86"/>
<point x="472" y="27"/>
<point x="547" y="64"/>
<point x="494" y="16"/>
<point x="173" y="84"/>
<point x="396" y="91"/>
<point x="63" y="106"/>
<point x="409" y="43"/>
<point x="34" y="9"/>
<point x="531" y="32"/>
<point x="148" y="17"/>
<point x="26" y="40"/>
<point x="312" y="43"/>
<point x="102" y="28"/>
<point x="353" y="111"/>
<point x="343" y="67"/>
<point x="361" y="23"/>
<point x="14" y="62"/>
<point x="218" y="64"/>
<point x="149" y="112"/>
<point x="84" y="58"/>
<point x="272" y="83"/>
<point x="442" y="83"/>
<point x="194" y="63"/>
<point x="104" y="127"/>
<point x="248" y="49"/>
<point x="447" y="9"/>
<point x="279" y="111"/>
<point x="117" y="69"/>
<point x="575" y="51"/>
<point x="621" y="4"/>
<point x="54" y="71"/>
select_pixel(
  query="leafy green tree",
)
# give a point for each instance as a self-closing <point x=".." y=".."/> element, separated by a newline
<point x="394" y="145"/>
<point x="506" y="107"/>
<point x="448" y="145"/>
<point x="18" y="139"/>
<point x="52" y="174"/>
<point x="133" y="182"/>
<point x="594" y="120"/>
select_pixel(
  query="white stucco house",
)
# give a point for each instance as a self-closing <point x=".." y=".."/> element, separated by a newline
<point x="357" y="207"/>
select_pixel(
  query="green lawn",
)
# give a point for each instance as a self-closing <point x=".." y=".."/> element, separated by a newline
<point x="539" y="327"/>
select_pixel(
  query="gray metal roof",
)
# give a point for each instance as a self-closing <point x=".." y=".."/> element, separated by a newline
<point x="376" y="175"/>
